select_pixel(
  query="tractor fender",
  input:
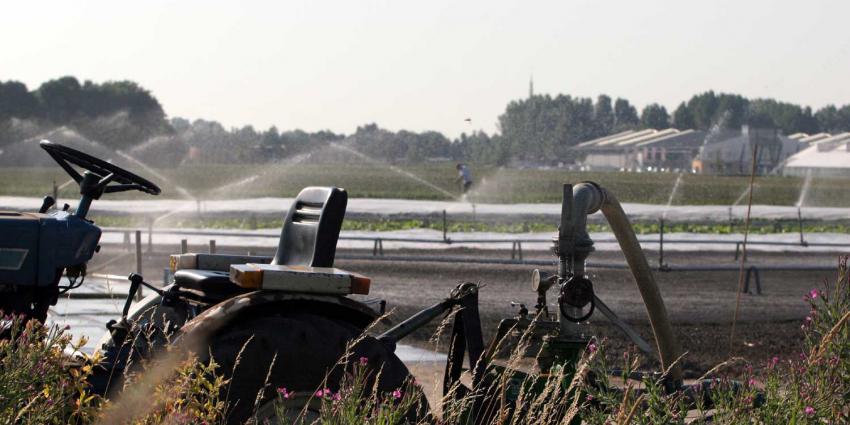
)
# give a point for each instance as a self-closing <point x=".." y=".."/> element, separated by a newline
<point x="259" y="303"/>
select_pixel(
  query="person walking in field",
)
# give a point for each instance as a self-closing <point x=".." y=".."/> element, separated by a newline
<point x="464" y="178"/>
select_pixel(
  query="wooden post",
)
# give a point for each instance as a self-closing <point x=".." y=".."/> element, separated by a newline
<point x="184" y="246"/>
<point x="444" y="225"/>
<point x="150" y="235"/>
<point x="212" y="246"/>
<point x="139" y="260"/>
<point x="661" y="242"/>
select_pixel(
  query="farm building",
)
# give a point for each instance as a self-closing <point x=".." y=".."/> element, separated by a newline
<point x="823" y="156"/>
<point x="641" y="150"/>
<point x="716" y="152"/>
<point x="730" y="151"/>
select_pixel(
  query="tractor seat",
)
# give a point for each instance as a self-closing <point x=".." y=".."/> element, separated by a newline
<point x="308" y="238"/>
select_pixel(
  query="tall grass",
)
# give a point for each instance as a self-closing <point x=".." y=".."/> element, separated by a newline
<point x="813" y="387"/>
<point x="43" y="380"/>
<point x="37" y="385"/>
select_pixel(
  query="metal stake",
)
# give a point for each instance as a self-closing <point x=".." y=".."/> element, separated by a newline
<point x="139" y="260"/>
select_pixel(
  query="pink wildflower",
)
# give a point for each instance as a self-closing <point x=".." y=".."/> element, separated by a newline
<point x="324" y="392"/>
<point x="285" y="394"/>
<point x="591" y="348"/>
<point x="364" y="361"/>
<point x="751" y="382"/>
<point x="809" y="410"/>
<point x="397" y="394"/>
<point x="813" y="293"/>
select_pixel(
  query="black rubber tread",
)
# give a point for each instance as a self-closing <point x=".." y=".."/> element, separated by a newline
<point x="307" y="346"/>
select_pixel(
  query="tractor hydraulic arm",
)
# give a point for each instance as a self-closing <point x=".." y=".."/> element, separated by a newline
<point x="425" y="316"/>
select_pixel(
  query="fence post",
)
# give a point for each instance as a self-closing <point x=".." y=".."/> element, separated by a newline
<point x="184" y="246"/>
<point x="150" y="234"/>
<point x="127" y="245"/>
<point x="212" y="246"/>
<point x="378" y="248"/>
<point x="139" y="260"/>
<point x="800" y="226"/>
<point x="444" y="225"/>
<point x="731" y="225"/>
<point x="661" y="243"/>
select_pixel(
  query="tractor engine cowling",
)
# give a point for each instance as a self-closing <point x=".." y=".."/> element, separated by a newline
<point x="35" y="247"/>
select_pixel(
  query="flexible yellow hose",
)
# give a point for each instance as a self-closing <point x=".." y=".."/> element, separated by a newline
<point x="668" y="347"/>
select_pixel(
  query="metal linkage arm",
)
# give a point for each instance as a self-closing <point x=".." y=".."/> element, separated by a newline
<point x="416" y="321"/>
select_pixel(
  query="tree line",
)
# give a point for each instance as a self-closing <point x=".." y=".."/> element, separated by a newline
<point x="120" y="113"/>
<point x="534" y="130"/>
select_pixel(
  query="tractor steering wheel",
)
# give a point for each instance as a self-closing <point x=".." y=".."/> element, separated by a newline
<point x="109" y="173"/>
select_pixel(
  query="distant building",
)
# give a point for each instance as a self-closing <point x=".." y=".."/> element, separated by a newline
<point x="634" y="150"/>
<point x="824" y="155"/>
<point x="715" y="152"/>
<point x="731" y="151"/>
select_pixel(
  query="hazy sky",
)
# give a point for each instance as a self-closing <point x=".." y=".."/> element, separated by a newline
<point x="427" y="64"/>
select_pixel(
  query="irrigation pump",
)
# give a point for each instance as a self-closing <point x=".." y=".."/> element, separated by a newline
<point x="553" y="344"/>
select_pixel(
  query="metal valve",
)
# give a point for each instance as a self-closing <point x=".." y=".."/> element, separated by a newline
<point x="576" y="293"/>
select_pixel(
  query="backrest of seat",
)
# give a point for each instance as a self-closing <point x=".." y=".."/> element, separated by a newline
<point x="311" y="228"/>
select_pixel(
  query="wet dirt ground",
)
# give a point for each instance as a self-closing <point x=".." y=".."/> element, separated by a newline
<point x="701" y="304"/>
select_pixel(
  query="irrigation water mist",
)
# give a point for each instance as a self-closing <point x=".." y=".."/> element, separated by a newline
<point x="672" y="194"/>
<point x="181" y="190"/>
<point x="715" y="129"/>
<point x="148" y="169"/>
<point x="804" y="189"/>
<point x="395" y="169"/>
<point x="269" y="169"/>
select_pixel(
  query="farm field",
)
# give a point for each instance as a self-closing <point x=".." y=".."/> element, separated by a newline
<point x="435" y="181"/>
<point x="700" y="304"/>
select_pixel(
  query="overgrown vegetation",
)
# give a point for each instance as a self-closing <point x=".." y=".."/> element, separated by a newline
<point x="36" y="386"/>
<point x="41" y="384"/>
<point x="808" y="389"/>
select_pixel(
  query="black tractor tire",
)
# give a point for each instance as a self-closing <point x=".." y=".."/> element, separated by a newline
<point x="306" y="350"/>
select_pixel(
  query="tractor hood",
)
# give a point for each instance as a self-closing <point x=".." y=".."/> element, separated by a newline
<point x="34" y="248"/>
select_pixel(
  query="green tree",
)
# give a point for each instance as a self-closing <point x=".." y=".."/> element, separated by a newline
<point x="60" y="99"/>
<point x="787" y="117"/>
<point x="654" y="116"/>
<point x="603" y="115"/>
<point x="832" y="119"/>
<point x="625" y="115"/>
<point x="17" y="101"/>
<point x="683" y="118"/>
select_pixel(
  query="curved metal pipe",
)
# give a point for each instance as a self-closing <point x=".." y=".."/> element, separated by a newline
<point x="668" y="347"/>
<point x="588" y="197"/>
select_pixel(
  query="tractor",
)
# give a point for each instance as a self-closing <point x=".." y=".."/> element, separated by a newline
<point x="290" y="318"/>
